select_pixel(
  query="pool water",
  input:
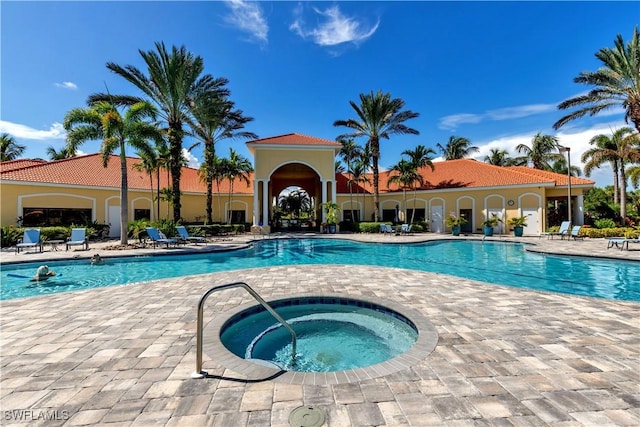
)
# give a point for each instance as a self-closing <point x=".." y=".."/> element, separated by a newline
<point x="330" y="337"/>
<point x="491" y="262"/>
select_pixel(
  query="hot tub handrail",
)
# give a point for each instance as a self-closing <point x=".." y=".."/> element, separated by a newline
<point x="199" y="373"/>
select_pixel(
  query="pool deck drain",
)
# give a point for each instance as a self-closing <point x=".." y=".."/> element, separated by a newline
<point x="123" y="355"/>
<point x="306" y="416"/>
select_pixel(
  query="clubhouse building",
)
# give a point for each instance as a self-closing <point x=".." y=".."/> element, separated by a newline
<point x="80" y="189"/>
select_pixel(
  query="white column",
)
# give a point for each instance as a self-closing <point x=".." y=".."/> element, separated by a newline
<point x="323" y="185"/>
<point x="256" y="187"/>
<point x="265" y="202"/>
<point x="579" y="211"/>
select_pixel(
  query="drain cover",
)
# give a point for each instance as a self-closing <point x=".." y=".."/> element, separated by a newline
<point x="306" y="416"/>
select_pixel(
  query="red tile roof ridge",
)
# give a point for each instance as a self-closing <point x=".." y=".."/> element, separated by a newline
<point x="274" y="139"/>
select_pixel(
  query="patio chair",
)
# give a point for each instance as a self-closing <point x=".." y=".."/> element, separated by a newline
<point x="184" y="235"/>
<point x="386" y="229"/>
<point x="157" y="238"/>
<point x="78" y="237"/>
<point x="405" y="228"/>
<point x="564" y="229"/>
<point x="30" y="239"/>
<point x="621" y="243"/>
<point x="575" y="233"/>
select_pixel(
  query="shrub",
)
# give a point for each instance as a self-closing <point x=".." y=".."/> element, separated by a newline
<point x="604" y="223"/>
<point x="10" y="235"/>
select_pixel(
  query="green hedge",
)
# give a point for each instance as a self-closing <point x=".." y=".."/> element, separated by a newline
<point x="628" y="232"/>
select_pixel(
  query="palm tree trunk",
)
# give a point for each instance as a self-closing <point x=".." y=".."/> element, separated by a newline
<point x="175" y="157"/>
<point x="623" y="194"/>
<point x="616" y="181"/>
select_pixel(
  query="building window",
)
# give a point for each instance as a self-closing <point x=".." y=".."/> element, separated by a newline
<point x="139" y="214"/>
<point x="237" y="217"/>
<point x="34" y="217"/>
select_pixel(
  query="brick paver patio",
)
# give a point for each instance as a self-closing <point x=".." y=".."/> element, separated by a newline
<point x="124" y="355"/>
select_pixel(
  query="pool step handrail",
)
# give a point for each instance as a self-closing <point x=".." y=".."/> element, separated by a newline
<point x="199" y="373"/>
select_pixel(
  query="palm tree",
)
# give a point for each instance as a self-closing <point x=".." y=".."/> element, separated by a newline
<point x="149" y="165"/>
<point x="407" y="176"/>
<point x="338" y="167"/>
<point x="358" y="174"/>
<point x="624" y="148"/>
<point x="540" y="154"/>
<point x="216" y="120"/>
<point x="103" y="121"/>
<point x="349" y="152"/>
<point x="634" y="175"/>
<point x="457" y="147"/>
<point x="560" y="166"/>
<point x="9" y="148"/>
<point x="173" y="84"/>
<point x="61" y="154"/>
<point x="237" y="167"/>
<point x="617" y="84"/>
<point x="419" y="157"/>
<point x="378" y="117"/>
<point x="606" y="146"/>
<point x="498" y="157"/>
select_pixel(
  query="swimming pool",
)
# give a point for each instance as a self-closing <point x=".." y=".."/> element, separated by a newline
<point x="492" y="262"/>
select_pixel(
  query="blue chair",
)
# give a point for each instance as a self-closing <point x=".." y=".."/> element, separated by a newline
<point x="78" y="237"/>
<point x="157" y="238"/>
<point x="386" y="229"/>
<point x="406" y="228"/>
<point x="564" y="229"/>
<point x="184" y="235"/>
<point x="575" y="233"/>
<point x="30" y="239"/>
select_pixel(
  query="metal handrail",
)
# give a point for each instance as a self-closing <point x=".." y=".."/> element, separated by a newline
<point x="199" y="373"/>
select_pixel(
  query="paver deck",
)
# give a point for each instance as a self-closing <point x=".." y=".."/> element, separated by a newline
<point x="124" y="355"/>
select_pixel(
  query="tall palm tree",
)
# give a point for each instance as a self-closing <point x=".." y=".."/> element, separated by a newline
<point x="103" y="121"/>
<point x="419" y="157"/>
<point x="541" y="153"/>
<point x="149" y="164"/>
<point x="349" y="152"/>
<point x="625" y="150"/>
<point x="173" y="83"/>
<point x="358" y="174"/>
<point x="606" y="146"/>
<point x="9" y="148"/>
<point x="61" y="154"/>
<point x="378" y="117"/>
<point x="457" y="147"/>
<point x="634" y="175"/>
<point x="561" y="166"/>
<point x="405" y="174"/>
<point x="617" y="84"/>
<point x="238" y="167"/>
<point x="216" y="120"/>
<point x="498" y="157"/>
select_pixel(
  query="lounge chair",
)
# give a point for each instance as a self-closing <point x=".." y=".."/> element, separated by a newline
<point x="406" y="228"/>
<point x="157" y="238"/>
<point x="386" y="229"/>
<point x="78" y="237"/>
<point x="564" y="229"/>
<point x="30" y="239"/>
<point x="621" y="243"/>
<point x="184" y="235"/>
<point x="575" y="233"/>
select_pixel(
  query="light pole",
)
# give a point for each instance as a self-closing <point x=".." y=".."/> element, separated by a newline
<point x="568" y="151"/>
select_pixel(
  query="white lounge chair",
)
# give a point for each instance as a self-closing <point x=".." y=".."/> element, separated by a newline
<point x="78" y="237"/>
<point x="406" y="228"/>
<point x="184" y="235"/>
<point x="30" y="239"/>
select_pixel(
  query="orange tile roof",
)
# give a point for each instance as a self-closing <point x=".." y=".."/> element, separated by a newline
<point x="294" y="139"/>
<point x="88" y="171"/>
<point x="468" y="173"/>
<point x="20" y="163"/>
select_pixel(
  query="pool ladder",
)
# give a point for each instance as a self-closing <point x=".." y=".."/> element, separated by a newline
<point x="199" y="373"/>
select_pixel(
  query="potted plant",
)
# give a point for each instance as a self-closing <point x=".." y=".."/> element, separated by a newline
<point x="455" y="222"/>
<point x="490" y="223"/>
<point x="518" y="223"/>
<point x="332" y="210"/>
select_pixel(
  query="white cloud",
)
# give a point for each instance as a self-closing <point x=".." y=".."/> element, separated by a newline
<point x="576" y="139"/>
<point x="248" y="17"/>
<point x="192" y="161"/>
<point x="67" y="85"/>
<point x="336" y="28"/>
<point x="56" y="131"/>
<point x="452" y="121"/>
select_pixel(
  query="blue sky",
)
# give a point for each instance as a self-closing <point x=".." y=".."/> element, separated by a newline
<point x="493" y="72"/>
